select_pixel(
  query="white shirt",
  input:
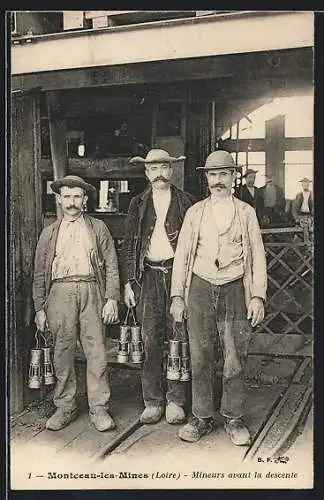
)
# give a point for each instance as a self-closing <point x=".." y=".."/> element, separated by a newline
<point x="72" y="253"/>
<point x="251" y="190"/>
<point x="160" y="247"/>
<point x="223" y="210"/>
<point x="305" y="208"/>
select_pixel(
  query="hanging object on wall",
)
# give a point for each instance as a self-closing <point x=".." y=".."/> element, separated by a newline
<point x="81" y="150"/>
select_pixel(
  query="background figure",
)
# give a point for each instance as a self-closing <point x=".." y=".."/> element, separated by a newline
<point x="75" y="291"/>
<point x="152" y="227"/>
<point x="303" y="203"/>
<point x="274" y="203"/>
<point x="219" y="282"/>
<point x="250" y="193"/>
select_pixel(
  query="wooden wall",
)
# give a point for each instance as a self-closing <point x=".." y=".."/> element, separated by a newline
<point x="26" y="221"/>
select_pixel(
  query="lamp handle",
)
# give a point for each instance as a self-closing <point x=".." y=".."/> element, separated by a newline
<point x="38" y="336"/>
<point x="133" y="315"/>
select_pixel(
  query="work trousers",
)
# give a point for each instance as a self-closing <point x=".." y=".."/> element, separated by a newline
<point x="154" y="314"/>
<point x="74" y="312"/>
<point x="217" y="326"/>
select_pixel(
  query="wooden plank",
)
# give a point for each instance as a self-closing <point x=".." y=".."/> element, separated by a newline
<point x="296" y="64"/>
<point x="288" y="344"/>
<point x="290" y="144"/>
<point x="269" y="421"/>
<point x="117" y="168"/>
<point x="26" y="221"/>
<point x="298" y="414"/>
<point x="57" y="133"/>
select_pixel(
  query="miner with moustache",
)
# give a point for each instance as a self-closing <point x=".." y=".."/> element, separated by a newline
<point x="152" y="228"/>
<point x="76" y="291"/>
<point x="219" y="283"/>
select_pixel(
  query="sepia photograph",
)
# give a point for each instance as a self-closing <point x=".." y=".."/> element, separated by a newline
<point x="160" y="272"/>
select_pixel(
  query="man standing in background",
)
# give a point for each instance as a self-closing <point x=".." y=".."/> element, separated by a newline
<point x="152" y="228"/>
<point x="303" y="203"/>
<point x="250" y="193"/>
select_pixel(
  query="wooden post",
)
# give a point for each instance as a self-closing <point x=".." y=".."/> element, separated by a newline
<point x="25" y="222"/>
<point x="57" y="133"/>
<point x="213" y="138"/>
<point x="275" y="149"/>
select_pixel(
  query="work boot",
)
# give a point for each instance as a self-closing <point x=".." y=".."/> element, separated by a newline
<point x="152" y="414"/>
<point x="237" y="431"/>
<point x="61" y="419"/>
<point x="174" y="413"/>
<point x="196" y="428"/>
<point x="101" y="420"/>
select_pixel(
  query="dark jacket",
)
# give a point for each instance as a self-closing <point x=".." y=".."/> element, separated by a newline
<point x="139" y="226"/>
<point x="103" y="259"/>
<point x="256" y="202"/>
<point x="297" y="203"/>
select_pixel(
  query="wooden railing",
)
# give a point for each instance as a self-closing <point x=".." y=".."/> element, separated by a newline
<point x="289" y="304"/>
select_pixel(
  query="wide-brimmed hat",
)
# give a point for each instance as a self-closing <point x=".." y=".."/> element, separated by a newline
<point x="218" y="159"/>
<point x="72" y="181"/>
<point x="157" y="156"/>
<point x="306" y="179"/>
<point x="250" y="171"/>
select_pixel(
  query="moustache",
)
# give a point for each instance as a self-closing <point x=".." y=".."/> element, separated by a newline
<point x="161" y="178"/>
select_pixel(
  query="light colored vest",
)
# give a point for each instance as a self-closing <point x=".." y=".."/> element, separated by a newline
<point x="219" y="254"/>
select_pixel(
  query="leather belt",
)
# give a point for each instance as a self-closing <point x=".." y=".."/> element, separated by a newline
<point x="164" y="265"/>
<point x="75" y="279"/>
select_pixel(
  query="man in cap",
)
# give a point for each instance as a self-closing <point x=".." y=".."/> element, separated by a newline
<point x="75" y="290"/>
<point x="303" y="203"/>
<point x="219" y="279"/>
<point x="250" y="193"/>
<point x="152" y="228"/>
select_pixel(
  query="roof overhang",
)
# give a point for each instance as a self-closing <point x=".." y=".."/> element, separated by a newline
<point x="232" y="33"/>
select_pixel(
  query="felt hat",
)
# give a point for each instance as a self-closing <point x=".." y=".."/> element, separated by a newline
<point x="157" y="156"/>
<point x="72" y="181"/>
<point x="218" y="159"/>
<point x="250" y="171"/>
<point x="305" y="179"/>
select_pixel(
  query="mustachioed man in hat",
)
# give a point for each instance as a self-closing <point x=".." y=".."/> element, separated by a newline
<point x="152" y="227"/>
<point x="303" y="203"/>
<point x="76" y="290"/>
<point x="219" y="283"/>
<point x="250" y="193"/>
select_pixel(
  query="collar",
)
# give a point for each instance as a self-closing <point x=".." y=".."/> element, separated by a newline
<point x="146" y="193"/>
<point x="161" y="192"/>
<point x="78" y="219"/>
<point x="221" y="201"/>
